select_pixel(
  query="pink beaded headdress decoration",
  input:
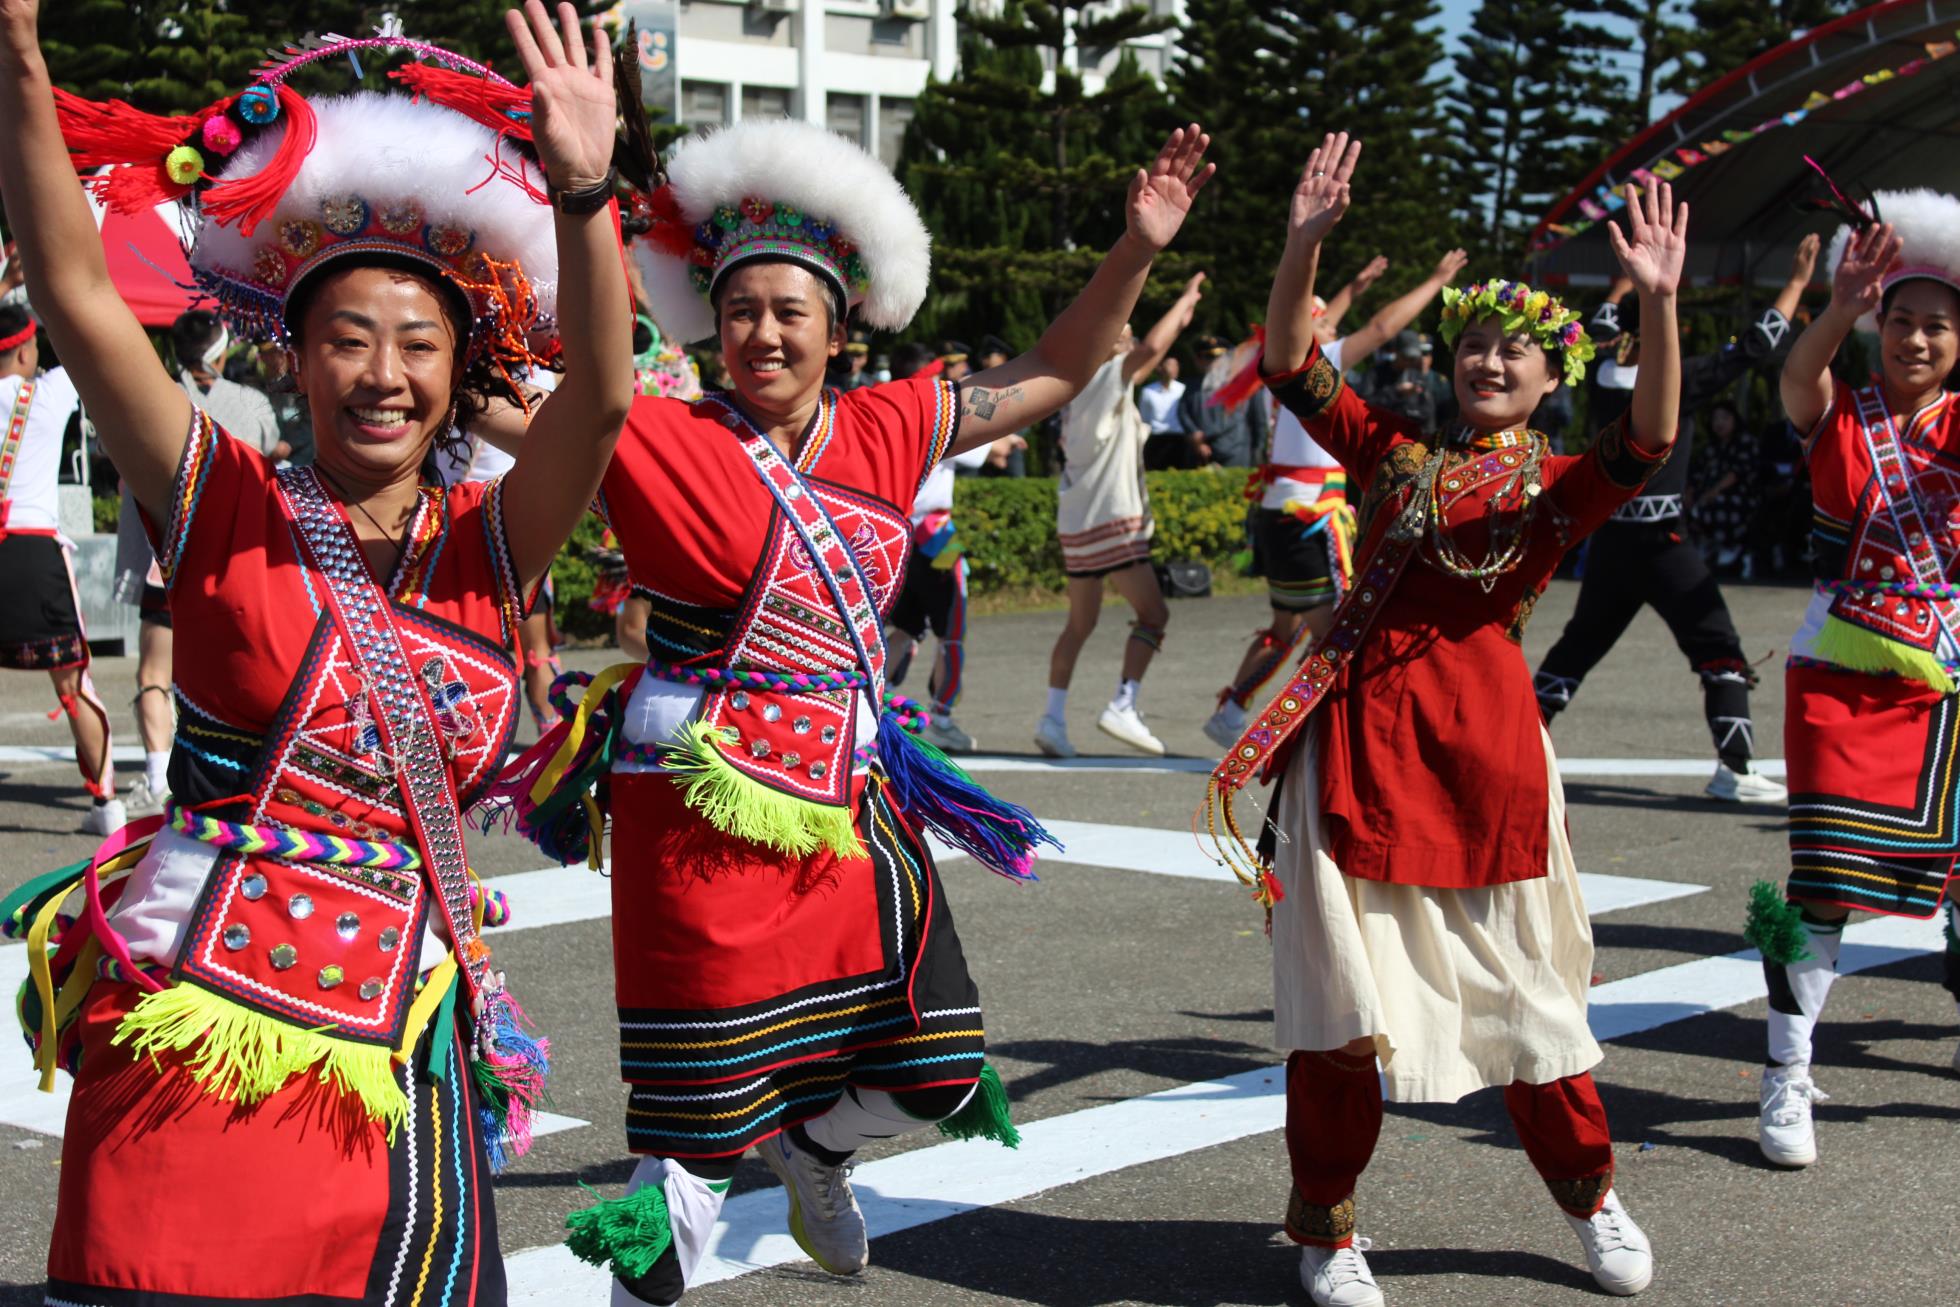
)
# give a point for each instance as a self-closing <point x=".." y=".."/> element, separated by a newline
<point x="283" y="185"/>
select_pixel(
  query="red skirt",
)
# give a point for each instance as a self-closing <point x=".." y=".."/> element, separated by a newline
<point x="171" y="1196"/>
<point x="753" y="986"/>
<point x="1874" y="770"/>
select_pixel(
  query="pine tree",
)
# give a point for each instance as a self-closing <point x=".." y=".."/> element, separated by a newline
<point x="1023" y="188"/>
<point x="1725" y="34"/>
<point x="1529" y="116"/>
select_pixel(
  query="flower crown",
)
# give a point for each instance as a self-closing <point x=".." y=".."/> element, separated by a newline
<point x="1518" y="307"/>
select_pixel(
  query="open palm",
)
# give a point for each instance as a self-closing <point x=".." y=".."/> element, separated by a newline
<point x="1321" y="198"/>
<point x="1161" y="195"/>
<point x="1859" y="280"/>
<point x="573" y="113"/>
<point x="1656" y="244"/>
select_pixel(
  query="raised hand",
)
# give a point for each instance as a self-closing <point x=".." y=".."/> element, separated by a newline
<point x="1321" y="198"/>
<point x="1161" y="195"/>
<point x="1449" y="265"/>
<point x="1858" y="284"/>
<point x="1653" y="253"/>
<point x="1803" y="265"/>
<point x="573" y="113"/>
<point x="1371" y="273"/>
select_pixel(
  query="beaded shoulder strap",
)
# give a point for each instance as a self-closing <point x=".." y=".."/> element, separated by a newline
<point x="10" y="446"/>
<point x="1880" y="431"/>
<point x="400" y="708"/>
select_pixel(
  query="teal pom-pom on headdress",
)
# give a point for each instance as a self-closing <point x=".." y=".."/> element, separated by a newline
<point x="1518" y="307"/>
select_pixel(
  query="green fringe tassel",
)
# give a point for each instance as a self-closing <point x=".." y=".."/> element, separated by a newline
<point x="628" y="1233"/>
<point x="987" y="1115"/>
<point x="1867" y="651"/>
<point x="1775" y="925"/>
<point x="245" y="1057"/>
<point x="741" y="806"/>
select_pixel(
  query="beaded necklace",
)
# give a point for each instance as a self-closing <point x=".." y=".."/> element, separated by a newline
<point x="1508" y="540"/>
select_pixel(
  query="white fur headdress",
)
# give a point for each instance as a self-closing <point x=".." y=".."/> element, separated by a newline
<point x="284" y="185"/>
<point x="782" y="189"/>
<point x="1928" y="225"/>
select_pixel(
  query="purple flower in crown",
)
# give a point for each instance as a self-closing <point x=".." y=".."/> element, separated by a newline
<point x="1570" y="336"/>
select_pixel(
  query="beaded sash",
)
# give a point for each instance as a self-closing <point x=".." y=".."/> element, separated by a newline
<point x="1927" y="617"/>
<point x="814" y="608"/>
<point x="401" y="713"/>
<point x="10" y="446"/>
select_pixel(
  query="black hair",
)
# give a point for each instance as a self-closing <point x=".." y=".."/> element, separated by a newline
<point x="13" y="319"/>
<point x="908" y="358"/>
<point x="480" y="382"/>
<point x="1885" y="300"/>
<point x="194" y="331"/>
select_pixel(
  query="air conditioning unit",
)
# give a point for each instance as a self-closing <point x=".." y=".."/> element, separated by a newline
<point x="915" y="10"/>
<point x="772" y="6"/>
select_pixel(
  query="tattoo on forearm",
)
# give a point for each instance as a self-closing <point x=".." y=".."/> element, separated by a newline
<point x="983" y="403"/>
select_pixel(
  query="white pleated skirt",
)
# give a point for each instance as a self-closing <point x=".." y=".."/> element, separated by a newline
<point x="1460" y="989"/>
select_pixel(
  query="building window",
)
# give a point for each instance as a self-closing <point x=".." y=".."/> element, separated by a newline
<point x="704" y="104"/>
<point x="845" y="115"/>
<point x="765" y="102"/>
<point x="894" y="116"/>
<point x="892" y="31"/>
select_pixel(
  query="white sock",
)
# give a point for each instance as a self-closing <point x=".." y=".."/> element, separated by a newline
<point x="1809" y="984"/>
<point x="1126" y="695"/>
<point x="693" y="1207"/>
<point x="863" y="1116"/>
<point x="156" y="766"/>
<point x="1057" y="704"/>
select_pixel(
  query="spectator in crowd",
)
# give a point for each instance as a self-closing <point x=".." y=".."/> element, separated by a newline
<point x="1169" y="443"/>
<point x="955" y="360"/>
<point x="1405" y="387"/>
<point x="1780" y="535"/>
<point x="851" y="370"/>
<point x="272" y="373"/>
<point x="201" y="343"/>
<point x="1724" y="490"/>
<point x="1237" y="436"/>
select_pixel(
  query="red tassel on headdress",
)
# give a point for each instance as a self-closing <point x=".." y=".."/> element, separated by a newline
<point x="130" y="143"/>
<point x="670" y="231"/>
<point x="1248" y="381"/>
<point x="476" y="98"/>
<point x="248" y="201"/>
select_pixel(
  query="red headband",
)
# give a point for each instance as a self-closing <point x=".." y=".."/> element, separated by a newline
<point x="20" y="337"/>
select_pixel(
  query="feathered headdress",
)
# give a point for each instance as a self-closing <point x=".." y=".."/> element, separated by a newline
<point x="1928" y="226"/>
<point x="786" y="190"/>
<point x="283" y="185"/>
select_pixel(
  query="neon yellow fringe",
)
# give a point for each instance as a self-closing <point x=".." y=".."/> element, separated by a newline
<point x="745" y="808"/>
<point x="1867" y="651"/>
<point x="243" y="1056"/>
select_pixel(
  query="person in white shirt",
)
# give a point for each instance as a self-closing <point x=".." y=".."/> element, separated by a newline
<point x="1169" y="443"/>
<point x="40" y="612"/>
<point x="1103" y="519"/>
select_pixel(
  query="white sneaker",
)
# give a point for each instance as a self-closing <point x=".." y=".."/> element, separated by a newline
<point x="1784" y="1130"/>
<point x="142" y="799"/>
<point x="1339" y="1277"/>
<point x="105" y="819"/>
<point x="1731" y="786"/>
<point x="1051" y="737"/>
<point x="1224" y="727"/>
<point x="945" y="735"/>
<point x="1617" y="1252"/>
<point x="1126" y="724"/>
<point x="824" y="1217"/>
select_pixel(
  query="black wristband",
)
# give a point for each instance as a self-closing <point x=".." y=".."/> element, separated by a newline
<point x="589" y="200"/>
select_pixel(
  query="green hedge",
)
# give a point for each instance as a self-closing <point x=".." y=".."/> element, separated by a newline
<point x="1007" y="525"/>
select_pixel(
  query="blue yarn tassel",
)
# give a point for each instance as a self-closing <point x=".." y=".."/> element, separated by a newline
<point x="932" y="790"/>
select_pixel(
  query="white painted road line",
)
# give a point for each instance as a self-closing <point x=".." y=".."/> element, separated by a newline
<point x="35" y="755"/>
<point x="1177" y="853"/>
<point x="932" y="1184"/>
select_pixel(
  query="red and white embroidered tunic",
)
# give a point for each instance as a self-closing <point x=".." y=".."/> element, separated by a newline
<point x="1432" y="766"/>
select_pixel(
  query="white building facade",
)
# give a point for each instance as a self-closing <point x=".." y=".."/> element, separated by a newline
<point x="856" y="66"/>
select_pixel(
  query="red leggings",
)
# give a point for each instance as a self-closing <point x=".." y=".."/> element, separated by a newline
<point x="1334" y="1114"/>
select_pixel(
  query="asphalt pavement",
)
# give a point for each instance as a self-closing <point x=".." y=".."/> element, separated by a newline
<point x="1128" y="1000"/>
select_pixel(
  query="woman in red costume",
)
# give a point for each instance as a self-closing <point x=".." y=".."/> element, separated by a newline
<point x="294" y="1064"/>
<point x="787" y="970"/>
<point x="1425" y="909"/>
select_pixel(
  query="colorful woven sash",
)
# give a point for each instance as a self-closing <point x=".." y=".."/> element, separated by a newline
<point x="293" y="845"/>
<point x="10" y="446"/>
